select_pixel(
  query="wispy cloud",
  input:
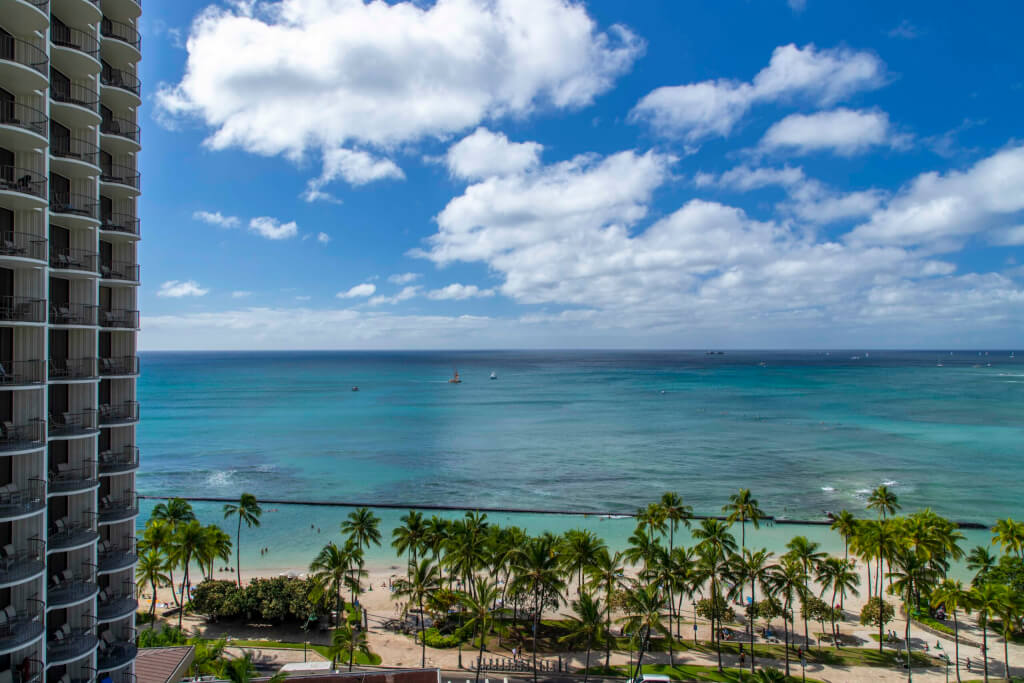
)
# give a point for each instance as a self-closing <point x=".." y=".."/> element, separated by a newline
<point x="402" y="278"/>
<point x="458" y="291"/>
<point x="175" y="289"/>
<point x="323" y="238"/>
<point x="217" y="218"/>
<point x="365" y="289"/>
<point x="404" y="295"/>
<point x="273" y="229"/>
<point x="240" y="294"/>
<point x="905" y="30"/>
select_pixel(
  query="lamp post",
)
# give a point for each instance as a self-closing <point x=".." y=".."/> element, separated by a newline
<point x="694" y="622"/>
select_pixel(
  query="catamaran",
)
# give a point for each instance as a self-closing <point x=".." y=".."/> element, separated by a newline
<point x="455" y="378"/>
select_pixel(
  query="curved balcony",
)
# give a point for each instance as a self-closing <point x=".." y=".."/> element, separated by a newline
<point x="22" y="309"/>
<point x="72" y="424"/>
<point x="120" y="272"/>
<point x="119" y="508"/>
<point x="76" y="104"/>
<point x="73" y="315"/>
<point x="66" y="590"/>
<point x="74" y="207"/>
<point x="26" y="16"/>
<point x="118" y="414"/>
<point x="66" y="645"/>
<point x="22" y="127"/>
<point x="22" y="188"/>
<point x="20" y="565"/>
<point x="120" y="135"/>
<point x="124" y="224"/>
<point x="74" y="157"/>
<point x="71" y="369"/>
<point x="21" y="373"/>
<point x="65" y="535"/>
<point x="126" y="9"/>
<point x="114" y="558"/>
<point x="66" y="480"/>
<point x="115" y="651"/>
<point x="120" y="88"/>
<point x="17" y="502"/>
<point x="121" y="366"/>
<point x="120" y="318"/>
<point x="119" y="461"/>
<point x="23" y="66"/>
<point x="79" y="260"/>
<point x="21" y="437"/>
<point x="74" y="52"/>
<point x="111" y="605"/>
<point x="77" y="12"/>
<point x="20" y="627"/>
<point x="22" y="246"/>
<point x="122" y="181"/>
<point x="122" y="42"/>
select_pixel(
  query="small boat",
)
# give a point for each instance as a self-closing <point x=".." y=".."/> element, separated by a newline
<point x="763" y="364"/>
<point x="455" y="378"/>
<point x="355" y="388"/>
<point x="494" y="375"/>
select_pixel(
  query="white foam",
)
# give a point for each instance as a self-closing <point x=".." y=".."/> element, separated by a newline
<point x="863" y="491"/>
<point x="220" y="479"/>
<point x="827" y="489"/>
<point x="889" y="482"/>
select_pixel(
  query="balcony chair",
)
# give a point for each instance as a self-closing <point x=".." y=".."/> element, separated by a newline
<point x="9" y="248"/>
<point x="7" y="557"/>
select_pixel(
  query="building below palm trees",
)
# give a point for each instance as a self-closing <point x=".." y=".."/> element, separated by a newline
<point x="69" y="275"/>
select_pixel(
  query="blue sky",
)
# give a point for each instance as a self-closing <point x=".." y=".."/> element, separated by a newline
<point x="543" y="173"/>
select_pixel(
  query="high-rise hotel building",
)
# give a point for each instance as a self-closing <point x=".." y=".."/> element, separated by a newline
<point x="69" y="185"/>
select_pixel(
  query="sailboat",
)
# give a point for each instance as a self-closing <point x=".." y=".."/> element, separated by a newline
<point x="494" y="375"/>
<point x="455" y="378"/>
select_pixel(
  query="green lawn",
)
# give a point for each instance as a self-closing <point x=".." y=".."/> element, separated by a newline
<point x="688" y="673"/>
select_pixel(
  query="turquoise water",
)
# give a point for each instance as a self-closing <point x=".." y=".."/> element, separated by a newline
<point x="590" y="431"/>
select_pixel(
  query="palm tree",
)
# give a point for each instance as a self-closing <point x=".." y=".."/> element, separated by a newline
<point x="606" y="574"/>
<point x="1010" y="535"/>
<point x="579" y="549"/>
<point x="481" y="620"/>
<point x="247" y="510"/>
<point x="884" y="501"/>
<point x="807" y="555"/>
<point x="742" y="507"/>
<point x="172" y="513"/>
<point x="642" y="547"/>
<point x="980" y="561"/>
<point x="363" y="527"/>
<point x="911" y="575"/>
<point x="754" y="567"/>
<point x="675" y="512"/>
<point x="586" y="626"/>
<point x="150" y="571"/>
<point x="654" y="518"/>
<point x="409" y="536"/>
<point x="537" y="573"/>
<point x="188" y="538"/>
<point x="643" y="615"/>
<point x="422" y="583"/>
<point x="242" y="670"/>
<point x="839" y="577"/>
<point x="951" y="595"/>
<point x="846" y="524"/>
<point x="329" y="570"/>
<point x="987" y="599"/>
<point x="1009" y="614"/>
<point x="216" y="545"/>
<point x="786" y="580"/>
<point x="715" y="545"/>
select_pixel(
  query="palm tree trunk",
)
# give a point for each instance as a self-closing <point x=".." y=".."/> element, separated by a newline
<point x="906" y="639"/>
<point x="351" y="645"/>
<point x="984" y="647"/>
<point x="832" y="614"/>
<point x="479" y="656"/>
<point x="714" y="613"/>
<point x="536" y="619"/>
<point x="1006" y="654"/>
<point x="238" y="551"/>
<point x="423" y="642"/>
<point x="152" y="606"/>
<point x="785" y="630"/>
<point x="752" y="602"/>
<point x="956" y="645"/>
<point x="608" y="630"/>
<point x="586" y="665"/>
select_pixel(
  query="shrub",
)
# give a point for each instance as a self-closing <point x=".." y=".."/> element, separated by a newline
<point x="433" y="638"/>
<point x="278" y="599"/>
<point x="165" y="637"/>
<point x="720" y="610"/>
<point x="143" y="618"/>
<point x="876" y="613"/>
<point x="216" y="599"/>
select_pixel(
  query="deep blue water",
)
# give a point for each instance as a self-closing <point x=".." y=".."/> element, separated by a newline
<point x="600" y="431"/>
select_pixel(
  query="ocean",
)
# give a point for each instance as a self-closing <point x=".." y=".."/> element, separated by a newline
<point x="591" y="431"/>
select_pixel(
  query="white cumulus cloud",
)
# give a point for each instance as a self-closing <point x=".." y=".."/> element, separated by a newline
<point x="713" y="108"/>
<point x="485" y="153"/>
<point x="458" y="291"/>
<point x="843" y="131"/>
<point x="404" y="294"/>
<point x="176" y="289"/>
<point x="362" y="290"/>
<point x="273" y="229"/>
<point x="323" y="238"/>
<point x="356" y="167"/>
<point x="333" y="73"/>
<point x="216" y="218"/>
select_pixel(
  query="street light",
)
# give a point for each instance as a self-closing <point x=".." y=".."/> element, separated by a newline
<point x="694" y="622"/>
